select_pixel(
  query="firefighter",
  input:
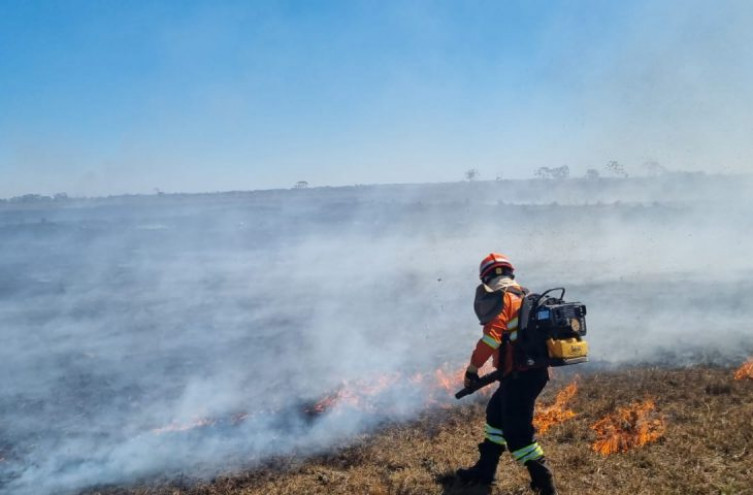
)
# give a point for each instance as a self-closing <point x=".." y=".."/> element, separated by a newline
<point x="509" y="413"/>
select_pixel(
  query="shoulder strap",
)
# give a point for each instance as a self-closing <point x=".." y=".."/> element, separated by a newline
<point x="517" y="290"/>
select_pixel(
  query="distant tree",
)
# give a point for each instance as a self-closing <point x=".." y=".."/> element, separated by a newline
<point x="60" y="196"/>
<point x="301" y="184"/>
<point x="654" y="168"/>
<point x="616" y="169"/>
<point x="560" y="173"/>
<point x="557" y="173"/>
<point x="29" y="198"/>
<point x="592" y="174"/>
<point x="471" y="174"/>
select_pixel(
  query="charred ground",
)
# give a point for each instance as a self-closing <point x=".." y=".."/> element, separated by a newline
<point x="707" y="447"/>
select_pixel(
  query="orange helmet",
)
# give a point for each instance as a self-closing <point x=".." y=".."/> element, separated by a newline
<point x="493" y="265"/>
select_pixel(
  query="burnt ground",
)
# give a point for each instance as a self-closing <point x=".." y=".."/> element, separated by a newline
<point x="707" y="447"/>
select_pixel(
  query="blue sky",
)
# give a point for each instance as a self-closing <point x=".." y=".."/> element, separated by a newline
<point x="115" y="97"/>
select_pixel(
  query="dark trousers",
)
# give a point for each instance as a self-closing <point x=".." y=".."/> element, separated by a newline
<point x="511" y="407"/>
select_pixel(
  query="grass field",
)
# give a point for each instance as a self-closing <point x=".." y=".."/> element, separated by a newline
<point x="702" y="416"/>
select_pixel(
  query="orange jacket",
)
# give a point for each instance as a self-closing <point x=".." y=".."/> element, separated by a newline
<point x="498" y="313"/>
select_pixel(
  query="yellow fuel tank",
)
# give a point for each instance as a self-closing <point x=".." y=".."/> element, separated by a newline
<point x="567" y="348"/>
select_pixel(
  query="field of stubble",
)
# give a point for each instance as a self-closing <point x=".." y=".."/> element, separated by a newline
<point x="705" y="447"/>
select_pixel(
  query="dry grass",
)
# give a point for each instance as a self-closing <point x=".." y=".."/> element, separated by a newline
<point x="707" y="447"/>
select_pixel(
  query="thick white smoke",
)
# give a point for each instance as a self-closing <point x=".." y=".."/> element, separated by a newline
<point x="126" y="315"/>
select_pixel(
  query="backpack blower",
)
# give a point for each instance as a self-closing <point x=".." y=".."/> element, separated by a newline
<point x="550" y="331"/>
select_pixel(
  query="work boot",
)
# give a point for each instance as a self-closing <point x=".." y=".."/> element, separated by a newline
<point x="542" y="480"/>
<point x="483" y="472"/>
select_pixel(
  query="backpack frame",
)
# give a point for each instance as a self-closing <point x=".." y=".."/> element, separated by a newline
<point x="550" y="331"/>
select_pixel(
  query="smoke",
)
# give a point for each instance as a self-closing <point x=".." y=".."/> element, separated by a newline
<point x="125" y="320"/>
<point x="672" y="89"/>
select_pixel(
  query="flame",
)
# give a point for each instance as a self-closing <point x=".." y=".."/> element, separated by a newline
<point x="438" y="387"/>
<point x="449" y="381"/>
<point x="197" y="423"/>
<point x="745" y="371"/>
<point x="548" y="416"/>
<point x="355" y="394"/>
<point x="628" y="427"/>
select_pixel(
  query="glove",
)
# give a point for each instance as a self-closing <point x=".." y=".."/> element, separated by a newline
<point x="471" y="378"/>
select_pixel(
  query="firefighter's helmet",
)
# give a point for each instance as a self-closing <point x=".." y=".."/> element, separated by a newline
<point x="494" y="265"/>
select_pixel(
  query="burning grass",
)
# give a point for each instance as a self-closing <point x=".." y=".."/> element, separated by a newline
<point x="628" y="428"/>
<point x="439" y="387"/>
<point x="745" y="371"/>
<point x="549" y="416"/>
<point x="705" y="447"/>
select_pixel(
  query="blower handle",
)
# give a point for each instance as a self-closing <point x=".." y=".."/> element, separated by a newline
<point x="562" y="295"/>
